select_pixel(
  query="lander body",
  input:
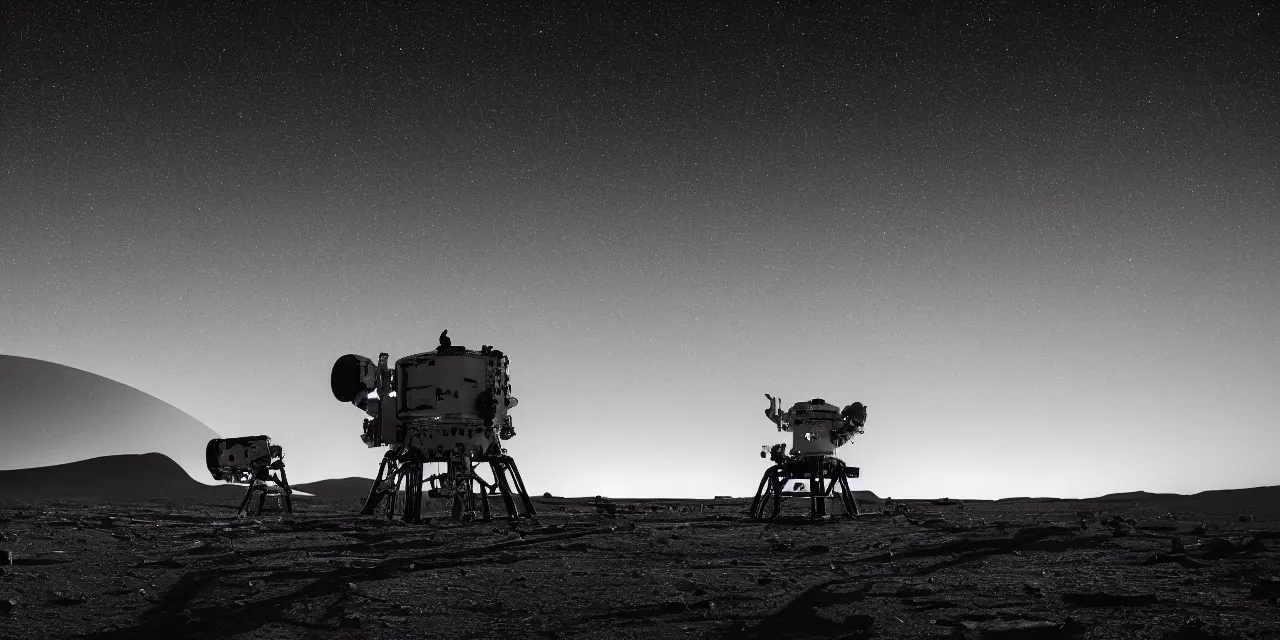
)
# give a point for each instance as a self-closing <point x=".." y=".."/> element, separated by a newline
<point x="444" y="406"/>
<point x="810" y="469"/>
<point x="250" y="460"/>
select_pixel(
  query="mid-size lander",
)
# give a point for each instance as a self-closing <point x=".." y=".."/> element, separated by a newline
<point x="444" y="406"/>
<point x="250" y="460"/>
<point x="811" y="469"/>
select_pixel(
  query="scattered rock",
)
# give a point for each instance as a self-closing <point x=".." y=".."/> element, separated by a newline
<point x="1180" y="558"/>
<point x="6" y="557"/>
<point x="68" y="599"/>
<point x="8" y="606"/>
<point x="1019" y="629"/>
<point x="1216" y="548"/>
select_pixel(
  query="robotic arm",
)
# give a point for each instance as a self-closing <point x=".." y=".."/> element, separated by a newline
<point x="772" y="413"/>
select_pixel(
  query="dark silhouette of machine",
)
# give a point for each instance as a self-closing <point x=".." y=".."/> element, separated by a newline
<point x="811" y="469"/>
<point x="251" y="460"/>
<point x="444" y="406"/>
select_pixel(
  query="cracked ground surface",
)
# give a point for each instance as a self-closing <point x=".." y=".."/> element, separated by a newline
<point x="671" y="569"/>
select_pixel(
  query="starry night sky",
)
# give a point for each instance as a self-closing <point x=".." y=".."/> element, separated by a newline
<point x="1041" y="246"/>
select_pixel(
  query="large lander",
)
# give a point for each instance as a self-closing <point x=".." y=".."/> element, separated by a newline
<point x="444" y="406"/>
<point x="811" y="469"/>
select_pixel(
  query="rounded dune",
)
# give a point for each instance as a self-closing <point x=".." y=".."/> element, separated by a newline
<point x="52" y="414"/>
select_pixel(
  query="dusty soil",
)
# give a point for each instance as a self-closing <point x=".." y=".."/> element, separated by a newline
<point x="669" y="569"/>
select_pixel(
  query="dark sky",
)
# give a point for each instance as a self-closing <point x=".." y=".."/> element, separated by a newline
<point x="1040" y="245"/>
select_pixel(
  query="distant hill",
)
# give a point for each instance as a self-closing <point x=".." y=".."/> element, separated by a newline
<point x="860" y="496"/>
<point x="1134" y="496"/>
<point x="122" y="478"/>
<point x="1219" y="499"/>
<point x="1253" y="494"/>
<point x="338" y="488"/>
<point x="866" y="496"/>
<point x="53" y="414"/>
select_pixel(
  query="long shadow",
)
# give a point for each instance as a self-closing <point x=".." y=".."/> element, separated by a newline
<point x="1058" y="545"/>
<point x="670" y="607"/>
<point x="224" y="620"/>
<point x="799" y="618"/>
<point x="970" y="549"/>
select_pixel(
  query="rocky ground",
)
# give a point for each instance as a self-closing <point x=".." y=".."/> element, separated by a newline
<point x="671" y="569"/>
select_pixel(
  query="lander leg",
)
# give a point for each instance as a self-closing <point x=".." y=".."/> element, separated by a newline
<point x="507" y="476"/>
<point x="259" y="486"/>
<point x="386" y="471"/>
<point x="846" y="494"/>
<point x="818" y="492"/>
<point x="824" y="475"/>
<point x="459" y="481"/>
<point x="413" y="492"/>
<point x="763" y="492"/>
<point x="245" y="503"/>
<point x="286" y="491"/>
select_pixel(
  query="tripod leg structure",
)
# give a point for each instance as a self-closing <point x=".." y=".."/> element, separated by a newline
<point x="763" y="493"/>
<point x="850" y="503"/>
<point x="825" y="476"/>
<point x="413" y="492"/>
<point x="500" y="478"/>
<point x="777" y="483"/>
<point x="375" y="495"/>
<point x="460" y="480"/>
<point x="507" y="477"/>
<point x="286" y="492"/>
<point x="520" y="488"/>
<point x="245" y="503"/>
<point x="392" y="499"/>
<point x="818" y="492"/>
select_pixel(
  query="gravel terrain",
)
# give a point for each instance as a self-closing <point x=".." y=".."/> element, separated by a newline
<point x="640" y="569"/>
